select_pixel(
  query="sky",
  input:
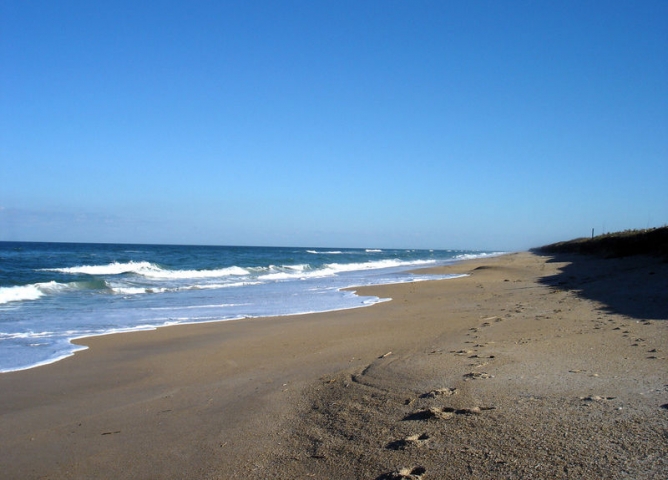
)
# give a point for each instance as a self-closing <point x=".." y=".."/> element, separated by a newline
<point x="492" y="125"/>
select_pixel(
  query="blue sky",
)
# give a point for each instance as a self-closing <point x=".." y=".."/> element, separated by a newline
<point x="495" y="125"/>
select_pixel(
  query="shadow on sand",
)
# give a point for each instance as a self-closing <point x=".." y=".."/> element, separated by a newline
<point x="635" y="286"/>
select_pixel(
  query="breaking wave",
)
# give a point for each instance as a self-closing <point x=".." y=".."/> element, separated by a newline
<point x="150" y="270"/>
<point x="21" y="293"/>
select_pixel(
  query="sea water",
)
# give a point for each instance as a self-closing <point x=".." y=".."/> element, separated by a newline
<point x="52" y="293"/>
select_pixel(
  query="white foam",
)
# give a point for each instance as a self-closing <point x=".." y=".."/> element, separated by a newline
<point x="109" y="269"/>
<point x="55" y="287"/>
<point x="72" y="351"/>
<point x="299" y="267"/>
<point x="10" y="336"/>
<point x="19" y="293"/>
<point x="150" y="270"/>
<point x="131" y="290"/>
<point x="294" y="275"/>
<point x="280" y="273"/>
<point x="186" y="274"/>
<point x="217" y="305"/>
<point x="388" y="263"/>
<point x="473" y="256"/>
<point x="214" y="286"/>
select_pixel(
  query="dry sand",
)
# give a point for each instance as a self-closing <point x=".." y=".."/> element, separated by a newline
<point x="530" y="367"/>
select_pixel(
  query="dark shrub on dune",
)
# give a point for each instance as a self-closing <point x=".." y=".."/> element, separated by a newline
<point x="653" y="241"/>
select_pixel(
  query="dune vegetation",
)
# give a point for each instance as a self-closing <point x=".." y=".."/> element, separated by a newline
<point x="652" y="241"/>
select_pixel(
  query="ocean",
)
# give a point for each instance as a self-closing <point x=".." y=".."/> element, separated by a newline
<point x="52" y="293"/>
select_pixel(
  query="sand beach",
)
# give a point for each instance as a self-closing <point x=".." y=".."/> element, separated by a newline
<point x="532" y="366"/>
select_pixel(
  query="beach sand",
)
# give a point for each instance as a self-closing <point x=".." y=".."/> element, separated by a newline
<point x="530" y="367"/>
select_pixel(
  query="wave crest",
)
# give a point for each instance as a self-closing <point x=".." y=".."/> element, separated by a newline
<point x="19" y="293"/>
<point x="388" y="263"/>
<point x="34" y="291"/>
<point x="147" y="269"/>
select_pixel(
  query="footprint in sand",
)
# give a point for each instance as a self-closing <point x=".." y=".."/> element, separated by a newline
<point x="408" y="442"/>
<point x="445" y="413"/>
<point x="439" y="413"/>
<point x="596" y="398"/>
<point x="477" y="375"/>
<point x="431" y="412"/>
<point x="446" y="392"/>
<point x="410" y="473"/>
<point x="473" y="410"/>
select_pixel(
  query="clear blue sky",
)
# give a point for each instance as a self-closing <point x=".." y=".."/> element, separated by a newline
<point x="417" y="124"/>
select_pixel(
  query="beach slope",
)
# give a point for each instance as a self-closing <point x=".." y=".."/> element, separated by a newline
<point x="531" y="366"/>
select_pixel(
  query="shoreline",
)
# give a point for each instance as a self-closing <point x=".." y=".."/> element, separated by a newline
<point x="80" y="340"/>
<point x="338" y="394"/>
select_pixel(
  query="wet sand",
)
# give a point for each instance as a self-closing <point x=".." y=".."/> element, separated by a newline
<point x="530" y="367"/>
